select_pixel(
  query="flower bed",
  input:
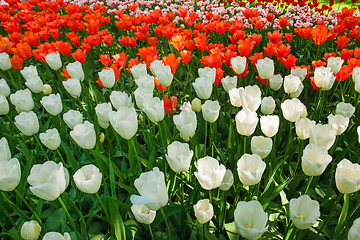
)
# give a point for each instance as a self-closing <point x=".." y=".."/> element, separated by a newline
<point x="179" y="120"/>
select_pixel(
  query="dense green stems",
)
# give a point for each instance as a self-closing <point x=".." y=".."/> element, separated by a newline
<point x="29" y="206"/>
<point x="5" y="211"/>
<point x="300" y="152"/>
<point x="166" y="222"/>
<point x="222" y="212"/>
<point x="329" y="215"/>
<point x="204" y="227"/>
<point x="136" y="153"/>
<point x="70" y="218"/>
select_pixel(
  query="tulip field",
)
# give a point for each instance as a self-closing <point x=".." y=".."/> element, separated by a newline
<point x="179" y="119"/>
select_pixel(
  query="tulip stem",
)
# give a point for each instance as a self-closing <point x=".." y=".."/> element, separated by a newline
<point x="206" y="125"/>
<point x="29" y="206"/>
<point x="102" y="205"/>
<point x="340" y="226"/>
<point x="166" y="222"/>
<point x="210" y="197"/>
<point x="136" y="153"/>
<point x="41" y="147"/>
<point x="204" y="226"/>
<point x="308" y="184"/>
<point x="61" y="158"/>
<point x="151" y="234"/>
<point x="300" y="152"/>
<point x="70" y="218"/>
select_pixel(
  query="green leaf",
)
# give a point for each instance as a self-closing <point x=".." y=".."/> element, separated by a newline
<point x="56" y="221"/>
<point x="117" y="223"/>
<point x="270" y="194"/>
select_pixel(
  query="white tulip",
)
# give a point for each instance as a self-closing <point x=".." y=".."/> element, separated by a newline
<point x="238" y="64"/>
<point x="210" y="110"/>
<point x="145" y="82"/>
<point x="10" y="174"/>
<point x="124" y="121"/>
<point x="262" y="146"/>
<point x="304" y="212"/>
<point x="5" y="63"/>
<point x="35" y="84"/>
<point x="27" y="123"/>
<point x="119" y="99"/>
<point x="30" y="230"/>
<point x="143" y="214"/>
<point x="4" y="105"/>
<point x="303" y="126"/>
<point x="276" y="82"/>
<point x="53" y="60"/>
<point x="75" y="70"/>
<point x="250" y="97"/>
<point x="314" y="160"/>
<point x="4" y="87"/>
<point x="229" y="83"/>
<point x="138" y="70"/>
<point x="335" y="63"/>
<point x="154" y="109"/>
<point x="246" y="121"/>
<point x="323" y="135"/>
<point x="210" y="172"/>
<point x="107" y="77"/>
<point x="186" y="123"/>
<point x="204" y="211"/>
<point x="347" y="177"/>
<point x="207" y="73"/>
<point x="339" y="123"/>
<point x="268" y="105"/>
<point x="72" y="118"/>
<point x="29" y="72"/>
<point x="84" y="135"/>
<point x="345" y="109"/>
<point x="203" y="87"/>
<point x="5" y="154"/>
<point x="265" y="68"/>
<point x="250" y="169"/>
<point x="88" y="179"/>
<point x="299" y="72"/>
<point x="22" y="100"/>
<point x="52" y="104"/>
<point x="73" y="87"/>
<point x="51" y="138"/>
<point x="179" y="156"/>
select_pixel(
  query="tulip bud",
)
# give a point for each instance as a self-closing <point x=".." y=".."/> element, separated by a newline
<point x="250" y="219"/>
<point x="4" y="88"/>
<point x="84" y="135"/>
<point x="162" y="72"/>
<point x="339" y="123"/>
<point x="56" y="236"/>
<point x="303" y="126"/>
<point x="138" y="70"/>
<point x="261" y="146"/>
<point x="265" y="68"/>
<point x="10" y="174"/>
<point x="304" y="212"/>
<point x="186" y="123"/>
<point x="75" y="70"/>
<point x="102" y="137"/>
<point x="72" y="118"/>
<point x="5" y="63"/>
<point x="347" y="178"/>
<point x="196" y="105"/>
<point x="179" y="156"/>
<point x="47" y="89"/>
<point x="145" y="82"/>
<point x="314" y="160"/>
<point x="22" y="100"/>
<point x="210" y="110"/>
<point x="53" y="60"/>
<point x="51" y="138"/>
<point x="107" y="77"/>
<point x="345" y="109"/>
<point x="52" y="104"/>
<point x="299" y="72"/>
<point x="203" y="87"/>
<point x="5" y="154"/>
<point x="354" y="231"/>
<point x="210" y="172"/>
<point x="268" y="105"/>
<point x="27" y="123"/>
<point x="335" y="63"/>
<point x="48" y="180"/>
<point x="119" y="99"/>
<point x="143" y="214"/>
<point x="276" y="82"/>
<point x="204" y="211"/>
<point x="323" y="135"/>
<point x="88" y="179"/>
<point x="227" y="181"/>
<point x="250" y="169"/>
<point x="238" y="64"/>
<point x="246" y="121"/>
<point x="154" y="109"/>
<point x="292" y="109"/>
<point x="229" y="83"/>
<point x="4" y="105"/>
<point x="157" y="197"/>
<point x="30" y="230"/>
<point x="124" y="121"/>
<point x="250" y="97"/>
<point x="73" y="87"/>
